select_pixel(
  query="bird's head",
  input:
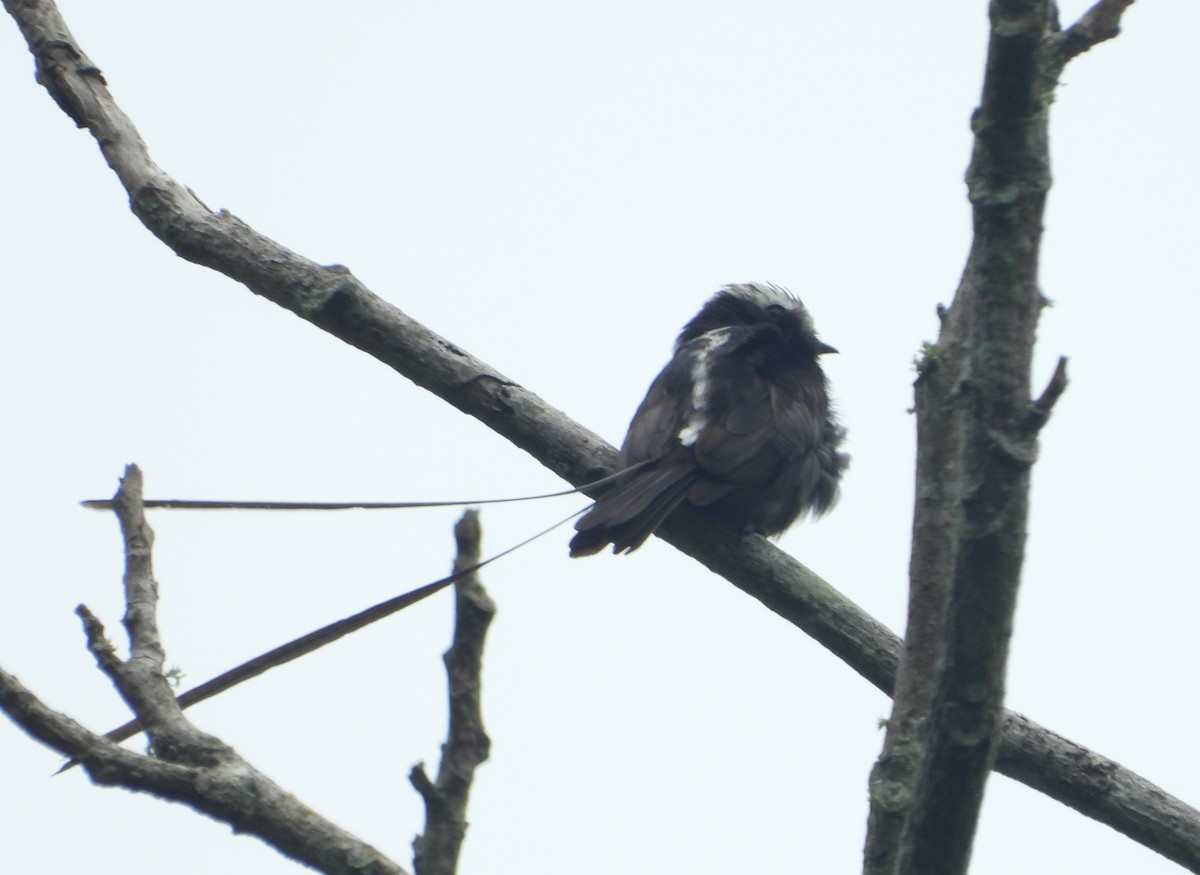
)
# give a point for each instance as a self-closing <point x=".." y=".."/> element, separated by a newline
<point x="756" y="304"/>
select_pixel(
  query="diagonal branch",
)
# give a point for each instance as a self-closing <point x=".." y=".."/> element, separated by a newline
<point x="332" y="299"/>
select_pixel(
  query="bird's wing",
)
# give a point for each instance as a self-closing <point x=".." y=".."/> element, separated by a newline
<point x="736" y="447"/>
<point x="753" y="424"/>
<point x="662" y="414"/>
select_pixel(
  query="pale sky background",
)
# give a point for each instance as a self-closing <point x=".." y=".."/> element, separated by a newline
<point x="557" y="188"/>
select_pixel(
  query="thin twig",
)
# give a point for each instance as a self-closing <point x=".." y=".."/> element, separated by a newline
<point x="436" y="850"/>
<point x="140" y="679"/>
<point x="1101" y="22"/>
<point x="1040" y="410"/>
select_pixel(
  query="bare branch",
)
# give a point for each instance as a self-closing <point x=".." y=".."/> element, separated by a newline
<point x="188" y="765"/>
<point x="1098" y="787"/>
<point x="55" y="730"/>
<point x="1100" y="23"/>
<point x="140" y="680"/>
<point x="976" y="442"/>
<point x="973" y="458"/>
<point x="436" y="851"/>
<point x="1039" y="411"/>
<point x="228" y="789"/>
<point x="335" y="301"/>
<point x="329" y="297"/>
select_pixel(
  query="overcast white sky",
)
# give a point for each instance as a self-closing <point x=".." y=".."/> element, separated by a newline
<point x="557" y="187"/>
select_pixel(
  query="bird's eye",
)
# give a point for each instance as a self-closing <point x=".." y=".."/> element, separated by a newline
<point x="775" y="310"/>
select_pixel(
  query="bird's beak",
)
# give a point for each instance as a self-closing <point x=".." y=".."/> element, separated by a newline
<point x="825" y="348"/>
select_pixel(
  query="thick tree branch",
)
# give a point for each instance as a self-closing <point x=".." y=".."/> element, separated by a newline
<point x="435" y="852"/>
<point x="335" y="301"/>
<point x="1096" y="785"/>
<point x="53" y="729"/>
<point x="973" y="459"/>
<point x="977" y="433"/>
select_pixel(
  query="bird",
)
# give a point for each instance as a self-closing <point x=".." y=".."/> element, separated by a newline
<point x="739" y="422"/>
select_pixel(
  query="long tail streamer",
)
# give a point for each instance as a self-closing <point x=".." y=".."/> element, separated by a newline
<point x="305" y="644"/>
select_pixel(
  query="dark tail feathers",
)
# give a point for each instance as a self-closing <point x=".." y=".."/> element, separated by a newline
<point x="630" y="513"/>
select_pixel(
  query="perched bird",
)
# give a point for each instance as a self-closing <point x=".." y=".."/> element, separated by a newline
<point x="738" y="421"/>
